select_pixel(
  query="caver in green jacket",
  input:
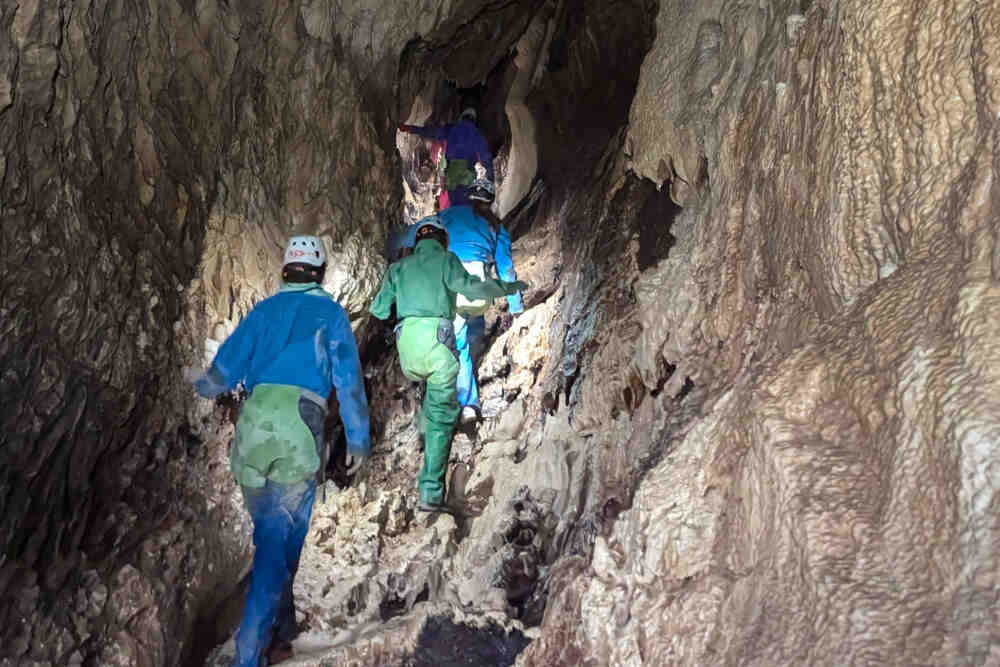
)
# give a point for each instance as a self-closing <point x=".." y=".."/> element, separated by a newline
<point x="425" y="283"/>
<point x="423" y="286"/>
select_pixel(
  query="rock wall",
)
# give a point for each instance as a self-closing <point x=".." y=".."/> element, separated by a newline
<point x="830" y="295"/>
<point x="107" y="497"/>
<point x="155" y="157"/>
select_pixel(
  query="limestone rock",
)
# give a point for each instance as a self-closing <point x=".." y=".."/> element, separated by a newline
<point x="814" y="457"/>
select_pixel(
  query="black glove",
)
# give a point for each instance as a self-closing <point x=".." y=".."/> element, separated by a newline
<point x="516" y="286"/>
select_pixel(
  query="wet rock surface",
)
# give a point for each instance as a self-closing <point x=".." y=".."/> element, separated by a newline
<point x="748" y="416"/>
<point x="795" y="518"/>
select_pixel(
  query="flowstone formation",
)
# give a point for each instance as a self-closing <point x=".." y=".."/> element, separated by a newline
<point x="832" y="295"/>
<point x="748" y="416"/>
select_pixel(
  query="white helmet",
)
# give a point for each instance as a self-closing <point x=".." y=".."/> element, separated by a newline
<point x="305" y="250"/>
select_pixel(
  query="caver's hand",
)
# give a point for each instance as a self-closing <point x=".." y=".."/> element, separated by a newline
<point x="354" y="463"/>
<point x="516" y="286"/>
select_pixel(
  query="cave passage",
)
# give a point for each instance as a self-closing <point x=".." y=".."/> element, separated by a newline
<point x="759" y="336"/>
<point x="534" y="175"/>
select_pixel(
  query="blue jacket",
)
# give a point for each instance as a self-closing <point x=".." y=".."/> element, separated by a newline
<point x="302" y="337"/>
<point x="472" y="239"/>
<point x="465" y="142"/>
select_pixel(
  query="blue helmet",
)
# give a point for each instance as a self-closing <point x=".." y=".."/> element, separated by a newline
<point x="482" y="190"/>
<point x="431" y="221"/>
<point x="432" y="227"/>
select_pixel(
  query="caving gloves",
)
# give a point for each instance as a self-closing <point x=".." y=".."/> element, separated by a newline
<point x="209" y="383"/>
<point x="514" y="287"/>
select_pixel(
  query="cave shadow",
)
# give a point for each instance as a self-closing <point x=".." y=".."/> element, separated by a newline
<point x="444" y="643"/>
<point x="213" y="626"/>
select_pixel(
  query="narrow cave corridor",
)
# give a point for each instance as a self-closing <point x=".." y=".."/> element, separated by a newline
<point x="748" y="415"/>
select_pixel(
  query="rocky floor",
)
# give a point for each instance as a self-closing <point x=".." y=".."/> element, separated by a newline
<point x="379" y="582"/>
<point x="376" y="577"/>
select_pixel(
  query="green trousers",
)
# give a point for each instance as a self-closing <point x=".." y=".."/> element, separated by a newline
<point x="426" y="353"/>
<point x="279" y="436"/>
<point x="458" y="173"/>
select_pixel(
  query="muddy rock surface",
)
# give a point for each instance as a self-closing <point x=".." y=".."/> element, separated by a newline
<point x="748" y="416"/>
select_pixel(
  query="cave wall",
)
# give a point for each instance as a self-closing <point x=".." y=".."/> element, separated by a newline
<point x="106" y="183"/>
<point x="831" y="296"/>
<point x="155" y="156"/>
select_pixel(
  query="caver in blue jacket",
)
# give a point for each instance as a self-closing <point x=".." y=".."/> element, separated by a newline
<point x="472" y="239"/>
<point x="290" y="352"/>
<point x="302" y="337"/>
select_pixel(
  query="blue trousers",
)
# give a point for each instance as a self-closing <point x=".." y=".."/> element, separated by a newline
<point x="469" y="333"/>
<point x="280" y="514"/>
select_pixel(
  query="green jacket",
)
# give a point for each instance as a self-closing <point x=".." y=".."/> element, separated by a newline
<point x="425" y="283"/>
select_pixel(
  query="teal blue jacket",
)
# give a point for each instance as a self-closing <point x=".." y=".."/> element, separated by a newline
<point x="301" y="337"/>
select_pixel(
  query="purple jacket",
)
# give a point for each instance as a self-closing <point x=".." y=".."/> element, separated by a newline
<point x="465" y="142"/>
